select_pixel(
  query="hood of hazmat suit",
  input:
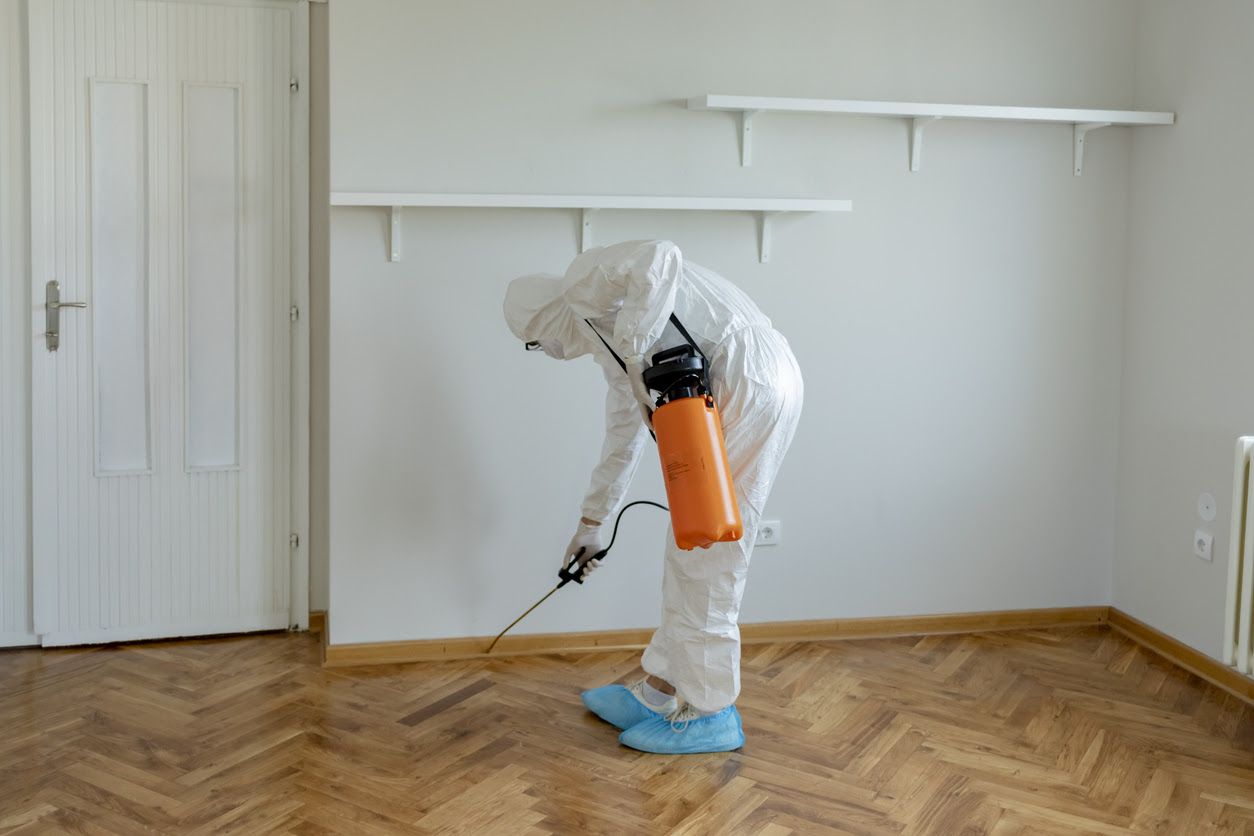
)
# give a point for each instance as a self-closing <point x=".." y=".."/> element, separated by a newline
<point x="536" y="312"/>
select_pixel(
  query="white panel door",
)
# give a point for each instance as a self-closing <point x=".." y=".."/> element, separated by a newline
<point x="160" y="188"/>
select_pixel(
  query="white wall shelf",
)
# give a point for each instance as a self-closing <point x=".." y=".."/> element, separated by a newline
<point x="765" y="207"/>
<point x="920" y="114"/>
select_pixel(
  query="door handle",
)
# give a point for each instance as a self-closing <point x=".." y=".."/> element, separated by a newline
<point x="52" y="313"/>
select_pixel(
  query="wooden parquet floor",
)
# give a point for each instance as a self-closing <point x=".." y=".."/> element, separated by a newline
<point x="1060" y="731"/>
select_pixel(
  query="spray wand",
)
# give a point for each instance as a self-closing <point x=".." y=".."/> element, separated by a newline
<point x="574" y="571"/>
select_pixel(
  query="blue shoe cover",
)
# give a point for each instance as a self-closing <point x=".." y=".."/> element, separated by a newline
<point x="721" y="732"/>
<point x="616" y="705"/>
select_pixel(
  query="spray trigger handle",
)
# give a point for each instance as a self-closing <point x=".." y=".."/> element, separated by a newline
<point x="574" y="572"/>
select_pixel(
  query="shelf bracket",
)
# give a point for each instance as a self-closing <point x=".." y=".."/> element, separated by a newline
<point x="746" y="136"/>
<point x="916" y="139"/>
<point x="394" y="234"/>
<point x="585" y="229"/>
<point x="1078" y="132"/>
<point x="765" y="230"/>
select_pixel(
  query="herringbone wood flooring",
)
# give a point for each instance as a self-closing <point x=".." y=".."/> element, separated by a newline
<point x="1060" y="731"/>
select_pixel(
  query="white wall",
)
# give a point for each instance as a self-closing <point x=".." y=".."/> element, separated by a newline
<point x="959" y="331"/>
<point x="15" y="558"/>
<point x="1188" y="388"/>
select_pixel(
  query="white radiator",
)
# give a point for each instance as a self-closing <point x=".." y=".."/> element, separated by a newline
<point x="1239" y="613"/>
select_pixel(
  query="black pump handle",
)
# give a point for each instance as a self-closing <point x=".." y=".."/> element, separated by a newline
<point x="574" y="572"/>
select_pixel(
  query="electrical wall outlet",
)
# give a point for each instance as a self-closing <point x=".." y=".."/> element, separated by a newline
<point x="1203" y="543"/>
<point x="769" y="533"/>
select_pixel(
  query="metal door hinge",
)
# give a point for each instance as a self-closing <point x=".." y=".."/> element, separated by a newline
<point x="293" y="313"/>
<point x="294" y="85"/>
<point x="293" y="540"/>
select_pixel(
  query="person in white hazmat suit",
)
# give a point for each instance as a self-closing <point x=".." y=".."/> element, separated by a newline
<point x="628" y="292"/>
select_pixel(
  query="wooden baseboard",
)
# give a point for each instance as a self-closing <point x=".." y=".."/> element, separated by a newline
<point x="382" y="653"/>
<point x="1194" y="661"/>
<point x="317" y="621"/>
<point x="919" y="625"/>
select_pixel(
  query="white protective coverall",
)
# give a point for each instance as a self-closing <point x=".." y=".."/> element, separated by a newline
<point x="628" y="291"/>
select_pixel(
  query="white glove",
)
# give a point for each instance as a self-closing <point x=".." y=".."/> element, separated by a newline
<point x="635" y="376"/>
<point x="587" y="541"/>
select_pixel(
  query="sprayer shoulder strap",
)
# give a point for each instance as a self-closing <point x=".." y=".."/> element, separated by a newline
<point x="612" y="352"/>
<point x="679" y="326"/>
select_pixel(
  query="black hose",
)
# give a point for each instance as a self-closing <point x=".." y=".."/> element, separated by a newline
<point x="619" y="518"/>
<point x="576" y="575"/>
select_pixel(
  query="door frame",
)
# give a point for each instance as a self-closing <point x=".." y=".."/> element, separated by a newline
<point x="298" y="575"/>
<point x="42" y="261"/>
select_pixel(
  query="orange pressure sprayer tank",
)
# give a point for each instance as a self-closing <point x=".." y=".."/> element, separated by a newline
<point x="698" y="479"/>
<point x="689" y="435"/>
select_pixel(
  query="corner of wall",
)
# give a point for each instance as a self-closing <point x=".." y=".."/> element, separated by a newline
<point x="1133" y="96"/>
<point x="319" y="298"/>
